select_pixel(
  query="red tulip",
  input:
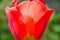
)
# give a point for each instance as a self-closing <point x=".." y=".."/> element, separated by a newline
<point x="28" y="19"/>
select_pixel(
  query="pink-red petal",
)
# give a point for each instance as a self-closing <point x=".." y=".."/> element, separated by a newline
<point x="14" y="3"/>
<point x="40" y="26"/>
<point x="15" y="23"/>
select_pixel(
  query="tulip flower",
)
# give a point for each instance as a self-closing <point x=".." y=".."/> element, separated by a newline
<point x="28" y="20"/>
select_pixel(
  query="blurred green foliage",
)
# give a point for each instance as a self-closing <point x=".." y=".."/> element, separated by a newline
<point x="53" y="28"/>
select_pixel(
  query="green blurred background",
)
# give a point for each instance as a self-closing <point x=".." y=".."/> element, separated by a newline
<point x="53" y="28"/>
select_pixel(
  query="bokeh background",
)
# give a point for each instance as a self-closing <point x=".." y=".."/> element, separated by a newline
<point x="53" y="28"/>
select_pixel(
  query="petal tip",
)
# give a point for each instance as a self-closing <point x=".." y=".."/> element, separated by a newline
<point x="7" y="9"/>
<point x="52" y="10"/>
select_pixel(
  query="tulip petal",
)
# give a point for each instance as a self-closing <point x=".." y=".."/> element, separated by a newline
<point x="36" y="10"/>
<point x="16" y="24"/>
<point x="27" y="8"/>
<point x="24" y="7"/>
<point x="11" y="21"/>
<point x="14" y="2"/>
<point x="40" y="26"/>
